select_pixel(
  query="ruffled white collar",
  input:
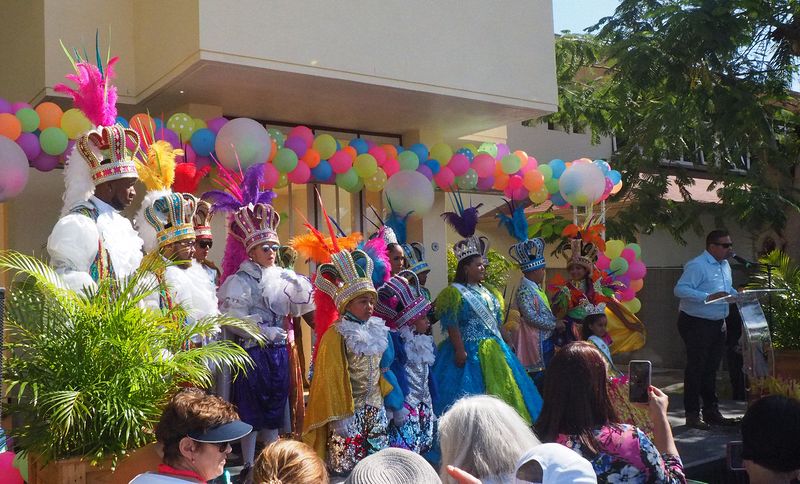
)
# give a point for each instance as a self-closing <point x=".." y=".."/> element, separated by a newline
<point x="419" y="347"/>
<point x="368" y="338"/>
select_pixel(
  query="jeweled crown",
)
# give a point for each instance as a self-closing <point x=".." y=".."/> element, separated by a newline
<point x="255" y="224"/>
<point x="415" y="256"/>
<point x="473" y="245"/>
<point x="400" y="300"/>
<point x="528" y="254"/>
<point x="581" y="253"/>
<point x="105" y="151"/>
<point x="202" y="220"/>
<point x="343" y="279"/>
<point x="171" y="216"/>
<point x="589" y="308"/>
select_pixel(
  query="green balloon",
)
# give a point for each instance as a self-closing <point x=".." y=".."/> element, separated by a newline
<point x="278" y="136"/>
<point x="409" y="161"/>
<point x="365" y="165"/>
<point x="510" y="164"/>
<point x="347" y="180"/>
<point x="357" y="187"/>
<point x="29" y="119"/>
<point x="552" y="185"/>
<point x="53" y="140"/>
<point x="546" y="171"/>
<point x="619" y="266"/>
<point x="488" y="148"/>
<point x="285" y="160"/>
<point x="325" y="145"/>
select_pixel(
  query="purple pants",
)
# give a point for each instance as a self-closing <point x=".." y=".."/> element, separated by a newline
<point x="260" y="394"/>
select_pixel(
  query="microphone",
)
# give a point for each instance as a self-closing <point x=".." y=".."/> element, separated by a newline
<point x="741" y="260"/>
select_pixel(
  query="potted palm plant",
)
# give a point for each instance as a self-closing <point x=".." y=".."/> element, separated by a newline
<point x="87" y="375"/>
<point x="779" y="271"/>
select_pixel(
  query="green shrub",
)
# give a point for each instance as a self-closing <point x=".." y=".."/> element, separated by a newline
<point x="785" y="274"/>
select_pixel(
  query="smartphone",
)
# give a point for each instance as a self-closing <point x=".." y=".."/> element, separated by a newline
<point x="734" y="455"/>
<point x="639" y="372"/>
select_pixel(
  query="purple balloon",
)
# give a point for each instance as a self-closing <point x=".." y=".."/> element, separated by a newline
<point x="502" y="150"/>
<point x="19" y="105"/>
<point x="296" y="144"/>
<point x="29" y="143"/>
<point x="45" y="162"/>
<point x="169" y="136"/>
<point x="216" y="124"/>
<point x="425" y="170"/>
<point x="5" y="106"/>
<point x="202" y="162"/>
<point x="485" y="183"/>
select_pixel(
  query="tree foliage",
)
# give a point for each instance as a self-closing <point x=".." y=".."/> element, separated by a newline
<point x="703" y="81"/>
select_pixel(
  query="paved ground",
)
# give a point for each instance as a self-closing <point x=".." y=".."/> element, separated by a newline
<point x="702" y="452"/>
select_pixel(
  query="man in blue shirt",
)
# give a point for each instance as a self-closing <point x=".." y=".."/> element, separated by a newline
<point x="702" y="327"/>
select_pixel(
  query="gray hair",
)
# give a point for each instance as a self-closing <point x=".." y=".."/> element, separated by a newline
<point x="484" y="436"/>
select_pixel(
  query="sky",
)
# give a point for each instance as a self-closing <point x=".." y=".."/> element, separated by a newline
<point x="576" y="15"/>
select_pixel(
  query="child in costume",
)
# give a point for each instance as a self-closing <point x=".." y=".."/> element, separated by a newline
<point x="531" y="322"/>
<point x="474" y="359"/>
<point x="405" y="310"/>
<point x="92" y="240"/>
<point x="345" y="417"/>
<point x="595" y="331"/>
<point x="414" y="251"/>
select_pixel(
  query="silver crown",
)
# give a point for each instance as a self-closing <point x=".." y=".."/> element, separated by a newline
<point x="529" y="254"/>
<point x="470" y="246"/>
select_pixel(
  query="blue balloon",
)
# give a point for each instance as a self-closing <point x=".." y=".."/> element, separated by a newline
<point x="421" y="150"/>
<point x="399" y="149"/>
<point x="603" y="166"/>
<point x="203" y="141"/>
<point x="338" y="145"/>
<point x="159" y="123"/>
<point x="123" y="122"/>
<point x="557" y="199"/>
<point x="433" y="165"/>
<point x="323" y="171"/>
<point x="470" y="155"/>
<point x="615" y="176"/>
<point x="360" y="145"/>
<point x="558" y="167"/>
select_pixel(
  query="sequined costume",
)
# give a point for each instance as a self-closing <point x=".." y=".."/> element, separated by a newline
<point x="417" y="432"/>
<point x="570" y="300"/>
<point x="532" y="336"/>
<point x="262" y="395"/>
<point x="491" y="367"/>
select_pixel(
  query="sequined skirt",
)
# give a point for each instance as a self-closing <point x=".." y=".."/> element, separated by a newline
<point x="416" y="433"/>
<point x="363" y="434"/>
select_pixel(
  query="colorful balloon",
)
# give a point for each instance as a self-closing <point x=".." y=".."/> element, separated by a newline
<point x="285" y="160"/>
<point x="442" y="153"/>
<point x="300" y="174"/>
<point x="10" y="127"/>
<point x="14" y="167"/>
<point x="245" y="140"/>
<point x="29" y="143"/>
<point x="296" y="144"/>
<point x="183" y="125"/>
<point x="29" y="119"/>
<point x="304" y="133"/>
<point x="614" y="248"/>
<point x="341" y="162"/>
<point x="409" y="192"/>
<point x="325" y="144"/>
<point x="459" y="163"/>
<point x="409" y="161"/>
<point x="618" y="266"/>
<point x="510" y="164"/>
<point x="53" y="141"/>
<point x="203" y="141"/>
<point x="365" y="165"/>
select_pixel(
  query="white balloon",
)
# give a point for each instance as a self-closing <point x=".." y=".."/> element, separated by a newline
<point x="13" y="169"/>
<point x="245" y="138"/>
<point x="409" y="192"/>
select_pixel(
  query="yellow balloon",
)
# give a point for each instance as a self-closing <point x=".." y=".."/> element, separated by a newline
<point x="634" y="305"/>
<point x="614" y="248"/>
<point x="540" y="195"/>
<point x="199" y="124"/>
<point x="75" y="123"/>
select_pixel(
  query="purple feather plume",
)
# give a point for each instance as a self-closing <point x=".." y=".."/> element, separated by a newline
<point x="465" y="222"/>
<point x="221" y="201"/>
<point x="235" y="254"/>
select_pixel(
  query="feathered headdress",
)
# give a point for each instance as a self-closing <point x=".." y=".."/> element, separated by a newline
<point x="156" y="169"/>
<point x="238" y="190"/>
<point x="527" y="253"/>
<point x="376" y="249"/>
<point x="582" y="244"/>
<point x="398" y="223"/>
<point x="386" y="232"/>
<point x="188" y="177"/>
<point x="464" y="220"/>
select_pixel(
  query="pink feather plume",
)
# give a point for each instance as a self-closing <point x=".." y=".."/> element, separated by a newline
<point x="95" y="96"/>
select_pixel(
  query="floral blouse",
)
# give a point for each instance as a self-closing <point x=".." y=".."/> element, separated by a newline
<point x="627" y="455"/>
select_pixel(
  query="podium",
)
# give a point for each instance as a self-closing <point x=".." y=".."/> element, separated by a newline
<point x="759" y="361"/>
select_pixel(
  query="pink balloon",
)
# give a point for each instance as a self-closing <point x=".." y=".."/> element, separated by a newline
<point x="459" y="164"/>
<point x="520" y="193"/>
<point x="483" y="165"/>
<point x="14" y="167"/>
<point x="379" y="154"/>
<point x="11" y="474"/>
<point x="300" y="174"/>
<point x="304" y="133"/>
<point x="603" y="262"/>
<point x="29" y="143"/>
<point x="5" y="106"/>
<point x="485" y="183"/>
<point x="216" y="124"/>
<point x="296" y="144"/>
<point x="424" y="169"/>
<point x="202" y="162"/>
<point x="391" y="166"/>
<point x="636" y="269"/>
<point x="19" y="105"/>
<point x="340" y="162"/>
<point x="271" y="175"/>
<point x="629" y="255"/>
<point x="445" y="178"/>
<point x="514" y="182"/>
<point x="189" y="156"/>
<point x="626" y="294"/>
<point x="45" y="162"/>
<point x="532" y="163"/>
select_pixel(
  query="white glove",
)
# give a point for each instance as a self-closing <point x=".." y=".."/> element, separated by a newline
<point x="274" y="334"/>
<point x="399" y="416"/>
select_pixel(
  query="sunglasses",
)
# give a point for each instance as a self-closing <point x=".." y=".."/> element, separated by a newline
<point x="205" y="244"/>
<point x="273" y="247"/>
<point x="726" y="245"/>
<point x="221" y="446"/>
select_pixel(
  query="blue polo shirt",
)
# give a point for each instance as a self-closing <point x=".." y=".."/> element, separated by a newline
<point x="702" y="276"/>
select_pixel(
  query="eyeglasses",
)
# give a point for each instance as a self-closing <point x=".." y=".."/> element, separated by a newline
<point x="273" y="247"/>
<point x="726" y="245"/>
<point x="221" y="446"/>
<point x="205" y="244"/>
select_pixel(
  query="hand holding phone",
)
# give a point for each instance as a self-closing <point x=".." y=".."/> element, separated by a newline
<point x="639" y="376"/>
<point x="734" y="455"/>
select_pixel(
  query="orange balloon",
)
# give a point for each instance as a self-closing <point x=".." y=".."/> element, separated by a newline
<point x="49" y="115"/>
<point x="274" y="149"/>
<point x="500" y="181"/>
<point x="311" y="157"/>
<point x="498" y="169"/>
<point x="144" y="125"/>
<point x="637" y="285"/>
<point x="523" y="157"/>
<point x="391" y="151"/>
<point x="350" y="151"/>
<point x="616" y="188"/>
<point x="533" y="180"/>
<point x="10" y="127"/>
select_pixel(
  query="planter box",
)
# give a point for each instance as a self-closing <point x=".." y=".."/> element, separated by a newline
<point x="787" y="364"/>
<point x="79" y="471"/>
